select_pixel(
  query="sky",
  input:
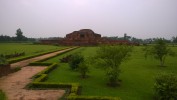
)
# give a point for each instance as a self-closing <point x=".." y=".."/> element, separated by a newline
<point x="56" y="18"/>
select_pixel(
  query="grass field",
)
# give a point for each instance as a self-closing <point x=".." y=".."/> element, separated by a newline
<point x="29" y="49"/>
<point x="137" y="75"/>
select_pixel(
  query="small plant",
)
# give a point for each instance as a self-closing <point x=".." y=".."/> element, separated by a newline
<point x="83" y="69"/>
<point x="75" y="60"/>
<point x="166" y="87"/>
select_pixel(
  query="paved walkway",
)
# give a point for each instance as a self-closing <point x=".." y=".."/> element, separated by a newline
<point x="13" y="86"/>
<point x="26" y="62"/>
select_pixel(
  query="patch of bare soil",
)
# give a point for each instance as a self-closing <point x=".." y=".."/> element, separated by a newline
<point x="13" y="85"/>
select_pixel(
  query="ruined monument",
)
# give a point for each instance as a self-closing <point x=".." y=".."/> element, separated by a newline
<point x="84" y="37"/>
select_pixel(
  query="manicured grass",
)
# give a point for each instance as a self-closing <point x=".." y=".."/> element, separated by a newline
<point x="28" y="48"/>
<point x="137" y="75"/>
<point x="2" y="95"/>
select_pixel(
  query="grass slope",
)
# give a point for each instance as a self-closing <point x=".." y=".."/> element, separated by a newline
<point x="137" y="75"/>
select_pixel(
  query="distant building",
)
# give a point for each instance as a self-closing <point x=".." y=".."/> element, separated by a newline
<point x="84" y="37"/>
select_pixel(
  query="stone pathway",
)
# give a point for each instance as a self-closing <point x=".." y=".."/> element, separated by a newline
<point x="26" y="62"/>
<point x="13" y="86"/>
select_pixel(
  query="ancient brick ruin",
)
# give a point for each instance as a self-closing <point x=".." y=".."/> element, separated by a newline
<point x="84" y="37"/>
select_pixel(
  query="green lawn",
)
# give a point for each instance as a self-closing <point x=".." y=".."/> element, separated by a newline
<point x="28" y="48"/>
<point x="137" y="75"/>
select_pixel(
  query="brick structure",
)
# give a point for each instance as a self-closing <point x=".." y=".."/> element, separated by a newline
<point x="84" y="37"/>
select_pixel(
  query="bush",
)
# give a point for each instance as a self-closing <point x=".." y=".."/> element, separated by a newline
<point x="3" y="61"/>
<point x="2" y="95"/>
<point x="76" y="59"/>
<point x="15" y="69"/>
<point x="166" y="87"/>
<point x="66" y="59"/>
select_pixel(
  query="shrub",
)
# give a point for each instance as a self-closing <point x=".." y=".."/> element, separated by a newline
<point x="15" y="69"/>
<point x="66" y="59"/>
<point x="3" y="61"/>
<point x="166" y="87"/>
<point x="76" y="59"/>
<point x="2" y="95"/>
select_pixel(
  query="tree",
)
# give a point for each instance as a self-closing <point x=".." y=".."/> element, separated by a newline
<point x="159" y="51"/>
<point x="83" y="69"/>
<point x="174" y="39"/>
<point x="110" y="58"/>
<point x="19" y="35"/>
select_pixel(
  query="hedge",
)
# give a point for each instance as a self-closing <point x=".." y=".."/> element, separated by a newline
<point x="32" y="56"/>
<point x="47" y="70"/>
<point x="56" y="55"/>
<point x="41" y="78"/>
<point x="73" y="97"/>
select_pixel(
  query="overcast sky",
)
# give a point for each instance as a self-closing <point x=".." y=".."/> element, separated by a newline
<point x="56" y="18"/>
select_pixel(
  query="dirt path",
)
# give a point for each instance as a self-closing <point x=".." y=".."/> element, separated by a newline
<point x="26" y="62"/>
<point x="13" y="85"/>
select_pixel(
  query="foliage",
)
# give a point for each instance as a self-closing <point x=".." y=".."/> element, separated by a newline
<point x="19" y="35"/>
<point x="159" y="51"/>
<point x="83" y="69"/>
<point x="166" y="87"/>
<point x="13" y="55"/>
<point x="2" y="95"/>
<point x="65" y="59"/>
<point x="137" y="75"/>
<point x="76" y="59"/>
<point x="15" y="69"/>
<point x="110" y="58"/>
<point x="3" y="61"/>
<point x="174" y="39"/>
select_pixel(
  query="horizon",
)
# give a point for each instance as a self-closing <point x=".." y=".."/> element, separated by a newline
<point x="44" y="18"/>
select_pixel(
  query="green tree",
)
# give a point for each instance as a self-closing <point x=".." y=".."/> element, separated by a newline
<point x="83" y="69"/>
<point x="110" y="58"/>
<point x="159" y="51"/>
<point x="19" y="35"/>
<point x="174" y="39"/>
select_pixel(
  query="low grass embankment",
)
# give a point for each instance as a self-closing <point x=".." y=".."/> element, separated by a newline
<point x="137" y="75"/>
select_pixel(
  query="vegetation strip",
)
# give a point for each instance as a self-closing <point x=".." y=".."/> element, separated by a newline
<point x="32" y="56"/>
<point x="73" y="87"/>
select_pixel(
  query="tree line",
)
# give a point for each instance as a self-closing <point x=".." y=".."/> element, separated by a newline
<point x="19" y="37"/>
<point x="143" y="41"/>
